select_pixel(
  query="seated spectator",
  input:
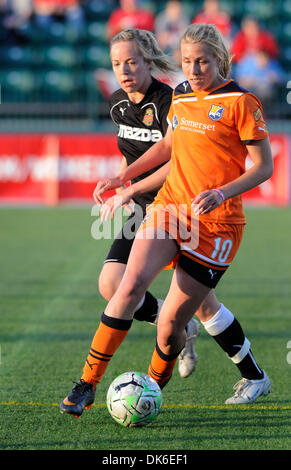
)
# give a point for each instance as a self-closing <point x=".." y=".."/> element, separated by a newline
<point x="169" y="26"/>
<point x="18" y="12"/>
<point x="260" y="74"/>
<point x="129" y="15"/>
<point x="46" y="11"/>
<point x="251" y="39"/>
<point x="212" y="14"/>
<point x="15" y="17"/>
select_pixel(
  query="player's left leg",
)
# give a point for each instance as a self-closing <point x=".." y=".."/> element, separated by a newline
<point x="185" y="293"/>
<point x="149" y="306"/>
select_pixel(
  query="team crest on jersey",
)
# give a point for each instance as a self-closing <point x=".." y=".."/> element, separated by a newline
<point x="175" y="122"/>
<point x="148" y="118"/>
<point x="215" y="112"/>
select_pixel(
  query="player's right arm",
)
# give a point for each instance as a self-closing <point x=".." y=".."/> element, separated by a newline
<point x="129" y="202"/>
<point x="158" y="154"/>
<point x="154" y="157"/>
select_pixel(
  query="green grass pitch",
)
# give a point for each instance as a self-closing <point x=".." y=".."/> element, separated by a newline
<point x="50" y="309"/>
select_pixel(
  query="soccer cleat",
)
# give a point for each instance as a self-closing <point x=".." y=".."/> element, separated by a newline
<point x="188" y="357"/>
<point x="247" y="391"/>
<point x="81" y="397"/>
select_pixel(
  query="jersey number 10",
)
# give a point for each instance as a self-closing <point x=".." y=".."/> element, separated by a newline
<point x="221" y="250"/>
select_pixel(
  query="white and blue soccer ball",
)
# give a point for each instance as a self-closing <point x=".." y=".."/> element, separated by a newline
<point x="134" y="399"/>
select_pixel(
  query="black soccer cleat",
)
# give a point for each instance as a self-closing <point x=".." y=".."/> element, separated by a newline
<point x="81" y="397"/>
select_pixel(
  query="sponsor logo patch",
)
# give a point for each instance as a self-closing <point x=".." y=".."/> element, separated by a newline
<point x="139" y="133"/>
<point x="257" y="114"/>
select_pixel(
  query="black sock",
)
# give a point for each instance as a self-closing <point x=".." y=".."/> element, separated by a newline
<point x="149" y="309"/>
<point x="231" y="341"/>
<point x="249" y="369"/>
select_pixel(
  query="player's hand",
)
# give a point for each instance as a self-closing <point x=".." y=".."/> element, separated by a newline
<point x="105" y="185"/>
<point x="111" y="205"/>
<point x="206" y="202"/>
<point x="129" y="207"/>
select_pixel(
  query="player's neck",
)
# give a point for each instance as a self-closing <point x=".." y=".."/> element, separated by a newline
<point x="138" y="95"/>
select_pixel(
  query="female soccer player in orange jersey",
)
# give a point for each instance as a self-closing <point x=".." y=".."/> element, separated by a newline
<point x="196" y="219"/>
<point x="139" y="109"/>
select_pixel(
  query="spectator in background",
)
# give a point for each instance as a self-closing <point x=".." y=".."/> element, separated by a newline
<point x="169" y="26"/>
<point x="16" y="15"/>
<point x="3" y="8"/>
<point x="19" y="11"/>
<point x="261" y="74"/>
<point x="129" y="15"/>
<point x="251" y="39"/>
<point x="46" y="11"/>
<point x="212" y="14"/>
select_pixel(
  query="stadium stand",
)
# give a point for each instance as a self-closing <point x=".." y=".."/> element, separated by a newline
<point x="50" y="70"/>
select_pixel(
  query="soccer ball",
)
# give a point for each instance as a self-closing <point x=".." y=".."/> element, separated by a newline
<point x="134" y="399"/>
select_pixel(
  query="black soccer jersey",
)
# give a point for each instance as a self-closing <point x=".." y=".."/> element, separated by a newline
<point x="141" y="125"/>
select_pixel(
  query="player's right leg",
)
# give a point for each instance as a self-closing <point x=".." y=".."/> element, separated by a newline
<point x="146" y="260"/>
<point x="149" y="307"/>
<point x="109" y="281"/>
<point x="114" y="268"/>
<point x="226" y="330"/>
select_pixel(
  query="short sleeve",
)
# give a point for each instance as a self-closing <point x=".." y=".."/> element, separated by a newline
<point x="164" y="106"/>
<point x="249" y="119"/>
<point x="170" y="116"/>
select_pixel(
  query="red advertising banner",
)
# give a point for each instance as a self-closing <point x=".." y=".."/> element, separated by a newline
<point x="52" y="168"/>
<point x="276" y="190"/>
<point x="48" y="169"/>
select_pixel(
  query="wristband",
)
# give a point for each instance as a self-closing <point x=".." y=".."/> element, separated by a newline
<point x="220" y="194"/>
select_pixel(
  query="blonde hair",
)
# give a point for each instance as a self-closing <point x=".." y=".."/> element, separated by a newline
<point x="148" y="48"/>
<point x="209" y="35"/>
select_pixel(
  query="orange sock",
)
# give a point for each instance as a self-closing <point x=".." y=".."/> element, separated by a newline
<point x="161" y="366"/>
<point x="107" y="339"/>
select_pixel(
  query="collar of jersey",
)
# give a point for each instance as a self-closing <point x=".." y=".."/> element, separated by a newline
<point x="201" y="94"/>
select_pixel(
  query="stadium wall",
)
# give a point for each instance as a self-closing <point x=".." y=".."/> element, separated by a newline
<point x="52" y="169"/>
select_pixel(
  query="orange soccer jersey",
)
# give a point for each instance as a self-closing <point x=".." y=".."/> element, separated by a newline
<point x="210" y="132"/>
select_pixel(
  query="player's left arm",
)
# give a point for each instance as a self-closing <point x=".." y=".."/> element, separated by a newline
<point x="123" y="165"/>
<point x="262" y="169"/>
